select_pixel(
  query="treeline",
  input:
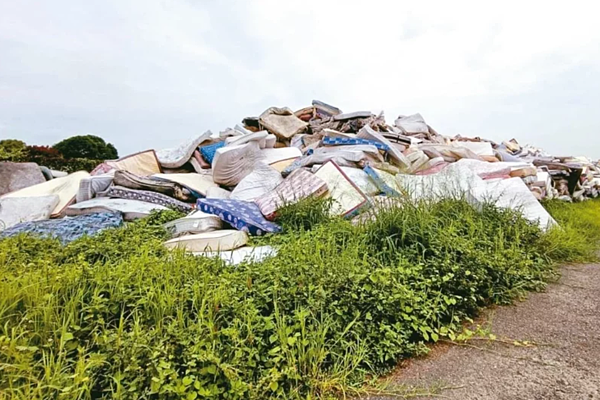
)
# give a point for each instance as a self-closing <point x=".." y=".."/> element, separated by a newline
<point x="76" y="153"/>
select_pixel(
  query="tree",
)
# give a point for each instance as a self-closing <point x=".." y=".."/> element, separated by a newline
<point x="86" y="146"/>
<point x="12" y="149"/>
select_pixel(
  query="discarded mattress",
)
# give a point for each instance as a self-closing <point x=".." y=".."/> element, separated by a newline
<point x="449" y="152"/>
<point x="513" y="193"/>
<point x="247" y="137"/>
<point x="198" y="183"/>
<point x="324" y="110"/>
<point x="142" y="164"/>
<point x="16" y="176"/>
<point x="396" y="155"/>
<point x="483" y="169"/>
<point x="412" y="124"/>
<point x="361" y="179"/>
<point x="259" y="182"/>
<point x="131" y="209"/>
<point x="282" y="122"/>
<point x="242" y="215"/>
<point x="196" y="222"/>
<point x="383" y="181"/>
<point x="14" y="210"/>
<point x="369" y="150"/>
<point x="454" y="181"/>
<point x="65" y="188"/>
<point x="118" y="192"/>
<point x="91" y="185"/>
<point x="345" y="141"/>
<point x="282" y="165"/>
<point x="352" y="115"/>
<point x="272" y="156"/>
<point x="218" y="193"/>
<point x="479" y="148"/>
<point x="232" y="163"/>
<point x="169" y="188"/>
<point x="177" y="156"/>
<point x="209" y="241"/>
<point x="243" y="254"/>
<point x="208" y="152"/>
<point x="348" y="198"/>
<point x="297" y="186"/>
<point x="68" y="229"/>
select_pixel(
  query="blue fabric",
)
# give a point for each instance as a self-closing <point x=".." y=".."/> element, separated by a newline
<point x="338" y="141"/>
<point x="292" y="167"/>
<point x="208" y="152"/>
<point x="380" y="183"/>
<point x="242" y="215"/>
<point x="68" y="229"/>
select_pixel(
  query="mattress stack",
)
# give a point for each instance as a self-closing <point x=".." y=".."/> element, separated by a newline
<point x="232" y="185"/>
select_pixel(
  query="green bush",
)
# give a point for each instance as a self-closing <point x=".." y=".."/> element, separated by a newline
<point x="12" y="149"/>
<point x="119" y="316"/>
<point x="69" y="165"/>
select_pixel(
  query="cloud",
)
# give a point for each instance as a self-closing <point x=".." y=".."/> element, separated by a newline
<point x="148" y="73"/>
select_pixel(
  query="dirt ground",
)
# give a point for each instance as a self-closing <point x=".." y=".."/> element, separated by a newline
<point x="564" y="322"/>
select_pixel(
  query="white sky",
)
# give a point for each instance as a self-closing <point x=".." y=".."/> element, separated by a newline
<point x="148" y="73"/>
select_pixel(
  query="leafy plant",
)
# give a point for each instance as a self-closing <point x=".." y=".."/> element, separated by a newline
<point x="12" y="149"/>
<point x="119" y="316"/>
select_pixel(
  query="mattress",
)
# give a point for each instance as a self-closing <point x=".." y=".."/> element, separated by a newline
<point x="14" y="210"/>
<point x="118" y="192"/>
<point x="209" y="241"/>
<point x="68" y="229"/>
<point x="348" y="198"/>
<point x="175" y="157"/>
<point x="65" y="188"/>
<point x="198" y="183"/>
<point x="131" y="209"/>
<point x="196" y="222"/>
<point x="242" y="215"/>
<point x="169" y="188"/>
<point x="142" y="163"/>
<point x="297" y="186"/>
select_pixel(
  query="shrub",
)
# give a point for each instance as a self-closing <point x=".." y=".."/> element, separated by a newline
<point x="86" y="146"/>
<point x="119" y="316"/>
<point x="67" y="165"/>
<point x="42" y="151"/>
<point x="12" y="149"/>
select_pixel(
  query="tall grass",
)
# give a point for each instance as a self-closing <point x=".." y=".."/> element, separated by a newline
<point x="578" y="237"/>
<point x="119" y="316"/>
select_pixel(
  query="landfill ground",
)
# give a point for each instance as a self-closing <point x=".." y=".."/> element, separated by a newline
<point x="564" y="321"/>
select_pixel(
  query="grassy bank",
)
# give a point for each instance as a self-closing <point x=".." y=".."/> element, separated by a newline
<point x="118" y="316"/>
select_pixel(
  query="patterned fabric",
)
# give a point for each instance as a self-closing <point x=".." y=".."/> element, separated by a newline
<point x="146" y="196"/>
<point x="68" y="229"/>
<point x="243" y="215"/>
<point x="172" y="189"/>
<point x="380" y="183"/>
<point x="299" y="185"/>
<point x="208" y="152"/>
<point x="339" y="141"/>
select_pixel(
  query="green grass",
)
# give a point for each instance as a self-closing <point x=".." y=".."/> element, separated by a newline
<point x="579" y="234"/>
<point x="119" y="316"/>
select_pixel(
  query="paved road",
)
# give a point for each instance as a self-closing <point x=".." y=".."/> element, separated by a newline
<point x="564" y="320"/>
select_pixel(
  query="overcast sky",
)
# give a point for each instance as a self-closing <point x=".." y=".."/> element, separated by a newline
<point x="148" y="73"/>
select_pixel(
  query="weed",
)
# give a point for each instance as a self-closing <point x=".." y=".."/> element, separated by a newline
<point x="119" y="316"/>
